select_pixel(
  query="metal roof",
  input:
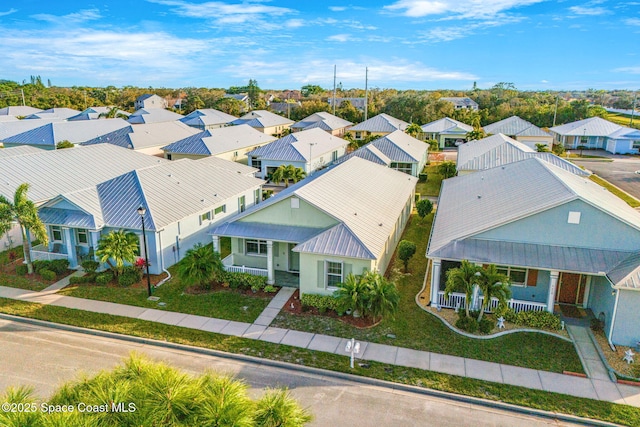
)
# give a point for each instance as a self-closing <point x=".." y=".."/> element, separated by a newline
<point x="593" y="126"/>
<point x="262" y="119"/>
<point x="207" y="117"/>
<point x="323" y="120"/>
<point x="381" y="123"/>
<point x="220" y="140"/>
<point x="67" y="217"/>
<point x="236" y="167"/>
<point x="471" y="204"/>
<point x="367" y="152"/>
<point x="446" y="125"/>
<point x="153" y="115"/>
<point x="15" y="127"/>
<point x="53" y="172"/>
<point x="515" y="126"/>
<point x="75" y="132"/>
<point x="93" y="113"/>
<point x="462" y="101"/>
<point x="18" y="151"/>
<point x="299" y="146"/>
<point x="626" y="274"/>
<point x="18" y="110"/>
<point x="325" y="244"/>
<point x="53" y="113"/>
<point x="400" y="147"/>
<point x="626" y="133"/>
<point x="358" y="103"/>
<point x="260" y="230"/>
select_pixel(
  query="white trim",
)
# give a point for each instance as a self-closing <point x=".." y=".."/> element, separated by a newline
<point x="326" y="273"/>
<point x="256" y="254"/>
<point x="587" y="289"/>
<point x="613" y="315"/>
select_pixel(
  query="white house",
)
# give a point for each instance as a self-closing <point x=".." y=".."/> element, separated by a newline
<point x="521" y="130"/>
<point x="148" y="101"/>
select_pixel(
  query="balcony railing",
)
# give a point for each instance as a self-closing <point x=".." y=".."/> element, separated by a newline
<point x="228" y="266"/>
<point x="458" y="301"/>
<point x="41" y="252"/>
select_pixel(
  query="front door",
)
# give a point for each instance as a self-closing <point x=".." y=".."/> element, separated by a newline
<point x="294" y="258"/>
<point x="571" y="288"/>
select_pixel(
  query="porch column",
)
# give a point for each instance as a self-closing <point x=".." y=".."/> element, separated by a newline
<point x="270" y="274"/>
<point x="95" y="236"/>
<point x="216" y="244"/>
<point x="435" y="281"/>
<point x="71" y="249"/>
<point x="553" y="284"/>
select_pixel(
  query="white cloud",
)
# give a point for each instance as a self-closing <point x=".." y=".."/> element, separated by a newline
<point x="72" y="18"/>
<point x="589" y="10"/>
<point x="342" y="38"/>
<point x="294" y="23"/>
<point x="449" y="33"/>
<point x="630" y="70"/>
<point x="544" y="81"/>
<point x="632" y="21"/>
<point x="474" y="9"/>
<point x="8" y="12"/>
<point x="337" y="8"/>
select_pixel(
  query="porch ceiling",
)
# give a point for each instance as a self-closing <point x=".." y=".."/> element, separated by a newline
<point x="263" y="231"/>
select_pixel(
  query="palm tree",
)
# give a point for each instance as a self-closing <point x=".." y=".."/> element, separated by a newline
<point x="493" y="284"/>
<point x="113" y="113"/>
<point x="462" y="279"/>
<point x="447" y="169"/>
<point x="413" y="130"/>
<point x="287" y="173"/>
<point x="352" y="294"/>
<point x="119" y="247"/>
<point x="24" y="212"/>
<point x="383" y="296"/>
<point x="477" y="132"/>
<point x="278" y="409"/>
<point x="200" y="266"/>
<point x="542" y="148"/>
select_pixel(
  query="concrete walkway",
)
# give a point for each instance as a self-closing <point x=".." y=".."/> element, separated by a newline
<point x="63" y="283"/>
<point x="274" y="307"/>
<point x="594" y="388"/>
<point x="593" y="365"/>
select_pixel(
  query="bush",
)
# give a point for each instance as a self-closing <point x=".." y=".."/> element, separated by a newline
<point x="538" y="319"/>
<point x="270" y="289"/>
<point x="424" y="207"/>
<point x="422" y="177"/>
<point x="39" y="265"/>
<point x="486" y="325"/>
<point x="129" y="276"/>
<point x="59" y="266"/>
<point x="104" y="278"/>
<point x="87" y="278"/>
<point x="468" y="324"/>
<point x="21" y="270"/>
<point x="417" y="197"/>
<point x="321" y="302"/>
<point x="508" y="314"/>
<point x="47" y="274"/>
<point x="244" y="281"/>
<point x="90" y="266"/>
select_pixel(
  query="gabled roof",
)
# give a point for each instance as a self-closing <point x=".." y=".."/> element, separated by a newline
<point x="471" y="204"/>
<point x="593" y="126"/>
<point x="358" y="103"/>
<point x="299" y="147"/>
<point x="446" y="125"/>
<point x="19" y="150"/>
<point x="207" y="117"/>
<point x="220" y="140"/>
<point x="381" y="123"/>
<point x="15" y="127"/>
<point x="53" y="113"/>
<point x="626" y="274"/>
<point x="75" y="132"/>
<point x="93" y="113"/>
<point x="262" y="119"/>
<point x="461" y="101"/>
<point x="146" y="135"/>
<point x="323" y="120"/>
<point x="18" y="110"/>
<point x="498" y="150"/>
<point x="367" y="152"/>
<point x="217" y="162"/>
<point x="401" y="148"/>
<point x="325" y="243"/>
<point x="626" y="133"/>
<point x="153" y="115"/>
<point x="515" y="126"/>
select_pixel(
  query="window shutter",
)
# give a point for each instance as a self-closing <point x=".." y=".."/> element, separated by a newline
<point x="346" y="270"/>
<point x="242" y="248"/>
<point x="200" y="220"/>
<point x="532" y="277"/>
<point x="321" y="277"/>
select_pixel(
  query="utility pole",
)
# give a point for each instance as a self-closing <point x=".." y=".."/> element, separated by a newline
<point x="555" y="112"/>
<point x="334" y="90"/>
<point x="23" y="103"/>
<point x="633" y="107"/>
<point x="366" y="92"/>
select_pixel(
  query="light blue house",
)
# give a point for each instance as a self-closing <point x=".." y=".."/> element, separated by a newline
<point x="595" y="132"/>
<point x="560" y="237"/>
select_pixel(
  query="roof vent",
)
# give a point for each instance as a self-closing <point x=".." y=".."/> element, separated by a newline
<point x="380" y="224"/>
<point x="355" y="213"/>
<point x="202" y="200"/>
<point x="479" y="196"/>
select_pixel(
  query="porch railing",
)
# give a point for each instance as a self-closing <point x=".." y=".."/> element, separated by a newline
<point x="41" y="252"/>
<point x="228" y="266"/>
<point x="458" y="300"/>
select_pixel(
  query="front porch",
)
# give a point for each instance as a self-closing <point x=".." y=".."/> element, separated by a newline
<point x="75" y="254"/>
<point x="458" y="301"/>
<point x="280" y="278"/>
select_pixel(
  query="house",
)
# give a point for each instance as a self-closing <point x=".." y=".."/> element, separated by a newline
<point x="345" y="219"/>
<point x="242" y="97"/>
<point x="53" y="114"/>
<point x="380" y="125"/>
<point x="146" y="138"/>
<point x="327" y="122"/>
<point x="521" y="130"/>
<point x="230" y="143"/>
<point x="264" y="121"/>
<point x="47" y="136"/>
<point x="397" y="151"/>
<point x="498" y="150"/>
<point x="183" y="201"/>
<point x="461" y="102"/>
<point x="284" y="108"/>
<point x="358" y="103"/>
<point x="19" y="150"/>
<point x="93" y="113"/>
<point x="19" y="110"/>
<point x="448" y="132"/>
<point x="207" y="118"/>
<point x="309" y="150"/>
<point x="595" y="132"/>
<point x="15" y="127"/>
<point x="149" y="101"/>
<point x="574" y="243"/>
<point x="153" y="115"/>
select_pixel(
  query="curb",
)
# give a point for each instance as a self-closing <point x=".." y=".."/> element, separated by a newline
<point x="603" y="358"/>
<point x="316" y="371"/>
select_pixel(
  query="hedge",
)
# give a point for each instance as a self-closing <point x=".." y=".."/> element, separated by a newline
<point x="321" y="302"/>
<point x="47" y="274"/>
<point x="58" y="266"/>
<point x="104" y="278"/>
<point x="244" y="281"/>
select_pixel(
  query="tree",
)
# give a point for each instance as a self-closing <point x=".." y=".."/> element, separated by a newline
<point x="477" y="132"/>
<point x="493" y="284"/>
<point x="424" y="207"/>
<point x="286" y="173"/>
<point x="558" y="149"/>
<point x="462" y="279"/>
<point x="413" y="129"/>
<point x="308" y="90"/>
<point x="253" y="92"/>
<point x="64" y="144"/>
<point x="113" y="113"/>
<point x="406" y="250"/>
<point x="230" y="106"/>
<point x="117" y="248"/>
<point x="369" y="295"/>
<point x="434" y="145"/>
<point x="200" y="266"/>
<point x="447" y="169"/>
<point x="542" y="148"/>
<point x="24" y="212"/>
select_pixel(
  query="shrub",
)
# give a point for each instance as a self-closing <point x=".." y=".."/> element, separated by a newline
<point x="87" y="278"/>
<point x="90" y="266"/>
<point x="21" y="270"/>
<point x="422" y="177"/>
<point x="59" y="266"/>
<point x="538" y="319"/>
<point x="244" y="281"/>
<point x="416" y="197"/>
<point x="47" y="274"/>
<point x="104" y="278"/>
<point x="504" y="311"/>
<point x="424" y="207"/>
<point x="129" y="276"/>
<point x="39" y="265"/>
<point x="321" y="302"/>
<point x="270" y="289"/>
<point x="468" y="324"/>
<point x="486" y="325"/>
<point x="406" y="250"/>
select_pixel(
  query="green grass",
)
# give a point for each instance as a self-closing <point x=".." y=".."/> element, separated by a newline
<point x="630" y="200"/>
<point x="432" y="186"/>
<point x="22" y="282"/>
<point x="417" y="329"/>
<point x="538" y="399"/>
<point x="624" y="120"/>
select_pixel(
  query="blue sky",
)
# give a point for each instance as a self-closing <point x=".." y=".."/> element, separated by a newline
<point x="406" y="44"/>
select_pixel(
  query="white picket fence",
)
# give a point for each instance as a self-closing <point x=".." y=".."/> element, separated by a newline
<point x="228" y="266"/>
<point x="458" y="300"/>
<point x="41" y="253"/>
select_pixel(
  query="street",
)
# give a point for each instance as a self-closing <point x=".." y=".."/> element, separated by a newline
<point x="44" y="358"/>
<point x="620" y="172"/>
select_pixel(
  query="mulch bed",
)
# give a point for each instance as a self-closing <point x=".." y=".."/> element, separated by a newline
<point x="218" y="287"/>
<point x="294" y="306"/>
<point x="10" y="269"/>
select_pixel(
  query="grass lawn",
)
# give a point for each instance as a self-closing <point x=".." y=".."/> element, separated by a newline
<point x="432" y="186"/>
<point x="622" y="414"/>
<point x="22" y="282"/>
<point x="417" y="329"/>
<point x="629" y="199"/>
<point x="624" y="120"/>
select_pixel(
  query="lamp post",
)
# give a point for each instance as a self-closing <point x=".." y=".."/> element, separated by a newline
<point x="142" y="211"/>
<point x="311" y="144"/>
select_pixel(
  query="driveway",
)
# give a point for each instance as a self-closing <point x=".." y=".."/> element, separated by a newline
<point x="621" y="172"/>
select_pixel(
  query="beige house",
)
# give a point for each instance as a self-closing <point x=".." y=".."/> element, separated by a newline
<point x="380" y="125"/>
<point x="265" y="121"/>
<point x="522" y="131"/>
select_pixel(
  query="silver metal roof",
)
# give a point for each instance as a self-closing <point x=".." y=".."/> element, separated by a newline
<point x="593" y="126"/>
<point x="446" y="125"/>
<point x="400" y="147"/>
<point x="15" y="127"/>
<point x="53" y="113"/>
<point x="236" y="167"/>
<point x="626" y="274"/>
<point x="19" y="151"/>
<point x="323" y="120"/>
<point x="207" y="117"/>
<point x="18" y="110"/>
<point x="260" y="230"/>
<point x="300" y="146"/>
<point x="220" y="140"/>
<point x="262" y="119"/>
<point x="153" y="115"/>
<point x="75" y="132"/>
<point x="381" y="123"/>
<point x="67" y="217"/>
<point x="515" y="126"/>
<point x="367" y="152"/>
<point x="461" y="101"/>
<point x="325" y="244"/>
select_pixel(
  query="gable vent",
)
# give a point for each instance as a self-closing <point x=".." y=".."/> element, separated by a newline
<point x="574" y="217"/>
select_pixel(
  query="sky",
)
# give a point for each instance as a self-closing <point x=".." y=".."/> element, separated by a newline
<point x="405" y="44"/>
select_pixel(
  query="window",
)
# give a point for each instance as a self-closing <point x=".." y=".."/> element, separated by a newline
<point x="235" y="154"/>
<point x="635" y="144"/>
<point x="241" y="204"/>
<point x="333" y="273"/>
<point x="82" y="237"/>
<point x="517" y="275"/>
<point x="257" y="193"/>
<point x="255" y="163"/>
<point x="402" y="167"/>
<point x="295" y="203"/>
<point x="584" y="140"/>
<point x="205" y="217"/>
<point x="573" y="218"/>
<point x="56" y="233"/>
<point x="255" y="247"/>
<point x="220" y="209"/>
<point x="334" y="156"/>
<point x="169" y="156"/>
<point x="358" y="135"/>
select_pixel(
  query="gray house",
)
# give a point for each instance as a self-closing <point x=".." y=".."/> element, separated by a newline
<point x="574" y="243"/>
<point x="521" y="130"/>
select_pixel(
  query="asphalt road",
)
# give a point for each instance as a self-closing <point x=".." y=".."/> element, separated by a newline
<point x="620" y="172"/>
<point x="44" y="358"/>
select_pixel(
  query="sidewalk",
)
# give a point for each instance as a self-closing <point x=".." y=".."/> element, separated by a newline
<point x="594" y="388"/>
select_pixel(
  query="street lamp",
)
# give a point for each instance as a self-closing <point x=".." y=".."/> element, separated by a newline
<point x="142" y="211"/>
<point x="311" y="144"/>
